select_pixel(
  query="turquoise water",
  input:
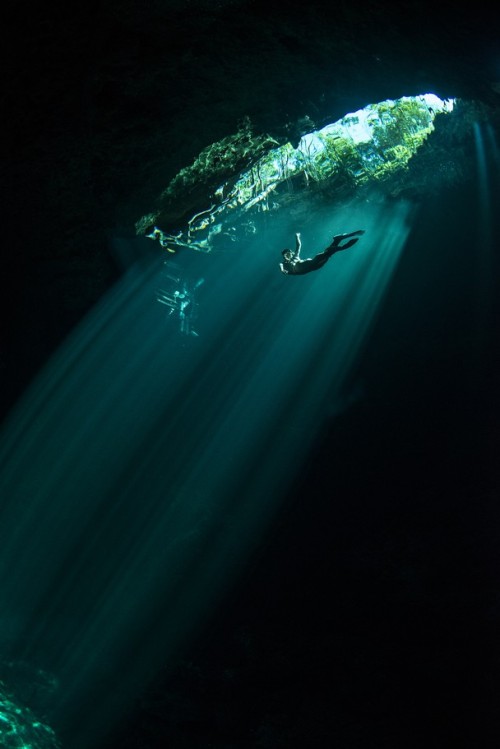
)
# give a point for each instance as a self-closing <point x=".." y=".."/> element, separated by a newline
<point x="142" y="470"/>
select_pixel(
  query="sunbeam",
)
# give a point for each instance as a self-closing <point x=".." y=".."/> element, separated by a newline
<point x="486" y="159"/>
<point x="138" y="475"/>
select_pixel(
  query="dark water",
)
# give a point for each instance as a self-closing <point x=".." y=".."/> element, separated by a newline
<point x="370" y="615"/>
<point x="282" y="531"/>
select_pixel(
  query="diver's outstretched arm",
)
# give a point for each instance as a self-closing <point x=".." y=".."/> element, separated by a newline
<point x="298" y="244"/>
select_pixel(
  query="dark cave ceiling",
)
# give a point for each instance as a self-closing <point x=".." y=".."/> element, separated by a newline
<point x="106" y="102"/>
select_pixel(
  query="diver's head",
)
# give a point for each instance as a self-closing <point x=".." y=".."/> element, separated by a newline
<point x="287" y="254"/>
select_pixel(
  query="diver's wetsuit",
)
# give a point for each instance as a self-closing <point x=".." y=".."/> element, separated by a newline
<point x="297" y="267"/>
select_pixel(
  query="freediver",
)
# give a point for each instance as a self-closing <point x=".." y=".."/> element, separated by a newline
<point x="293" y="265"/>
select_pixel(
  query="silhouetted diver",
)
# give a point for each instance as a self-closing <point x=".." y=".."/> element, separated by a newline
<point x="292" y="264"/>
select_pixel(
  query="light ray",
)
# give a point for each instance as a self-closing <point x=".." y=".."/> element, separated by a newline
<point x="137" y="476"/>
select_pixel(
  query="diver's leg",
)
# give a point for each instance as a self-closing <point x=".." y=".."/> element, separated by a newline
<point x="335" y="246"/>
<point x="357" y="233"/>
<point x="338" y="238"/>
<point x="317" y="261"/>
<point x="347" y="244"/>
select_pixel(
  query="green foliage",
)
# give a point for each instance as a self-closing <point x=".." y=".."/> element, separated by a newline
<point x="404" y="122"/>
<point x="219" y="160"/>
<point x="398" y="128"/>
<point x="274" y="167"/>
<point x="340" y="157"/>
<point x="373" y="144"/>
